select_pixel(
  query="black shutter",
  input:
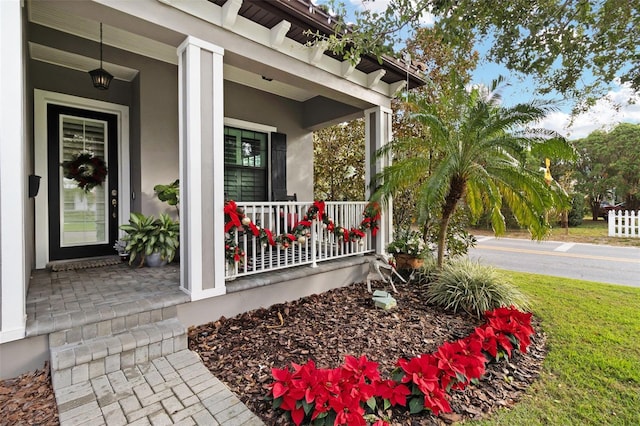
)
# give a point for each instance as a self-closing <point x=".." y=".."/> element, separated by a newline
<point x="278" y="166"/>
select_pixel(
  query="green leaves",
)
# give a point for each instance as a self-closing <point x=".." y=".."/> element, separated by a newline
<point x="575" y="47"/>
<point x="416" y="404"/>
<point x="479" y="160"/>
<point x="169" y="193"/>
<point x="147" y="235"/>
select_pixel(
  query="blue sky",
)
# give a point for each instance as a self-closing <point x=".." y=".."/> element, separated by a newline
<point x="612" y="109"/>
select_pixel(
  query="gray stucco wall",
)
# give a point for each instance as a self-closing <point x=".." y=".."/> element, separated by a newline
<point x="152" y="98"/>
<point x="245" y="103"/>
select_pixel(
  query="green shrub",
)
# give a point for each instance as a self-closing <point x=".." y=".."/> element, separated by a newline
<point x="576" y="214"/>
<point x="473" y="288"/>
<point x="428" y="273"/>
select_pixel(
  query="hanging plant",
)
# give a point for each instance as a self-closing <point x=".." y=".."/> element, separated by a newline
<point x="86" y="169"/>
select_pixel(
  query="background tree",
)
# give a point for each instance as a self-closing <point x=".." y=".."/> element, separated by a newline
<point x="576" y="47"/>
<point x="484" y="150"/>
<point x="338" y="162"/>
<point x="609" y="167"/>
<point x="440" y="60"/>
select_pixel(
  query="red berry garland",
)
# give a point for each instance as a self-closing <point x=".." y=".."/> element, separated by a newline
<point x="86" y="169"/>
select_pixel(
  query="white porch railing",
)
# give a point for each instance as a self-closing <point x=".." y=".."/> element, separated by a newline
<point x="624" y="224"/>
<point x="320" y="244"/>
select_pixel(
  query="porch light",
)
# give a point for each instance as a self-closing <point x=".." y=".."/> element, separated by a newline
<point x="100" y="77"/>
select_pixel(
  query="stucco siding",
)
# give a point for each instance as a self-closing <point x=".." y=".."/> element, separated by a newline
<point x="245" y="103"/>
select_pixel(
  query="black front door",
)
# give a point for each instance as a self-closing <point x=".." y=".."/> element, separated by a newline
<point x="83" y="219"/>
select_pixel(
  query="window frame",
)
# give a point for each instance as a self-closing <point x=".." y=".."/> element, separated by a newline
<point x="261" y="128"/>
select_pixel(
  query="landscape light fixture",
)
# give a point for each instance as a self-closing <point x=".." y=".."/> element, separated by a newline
<point x="100" y="77"/>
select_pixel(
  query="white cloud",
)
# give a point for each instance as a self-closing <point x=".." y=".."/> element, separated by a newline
<point x="380" y="6"/>
<point x="612" y="109"/>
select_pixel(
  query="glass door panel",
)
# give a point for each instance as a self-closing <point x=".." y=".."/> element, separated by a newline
<point x="83" y="215"/>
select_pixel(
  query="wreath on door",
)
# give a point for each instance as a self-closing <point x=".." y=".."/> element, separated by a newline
<point x="86" y="169"/>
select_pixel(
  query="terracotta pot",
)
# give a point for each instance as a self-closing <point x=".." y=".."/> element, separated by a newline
<point x="406" y="261"/>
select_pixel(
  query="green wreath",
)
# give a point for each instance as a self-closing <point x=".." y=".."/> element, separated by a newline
<point x="86" y="169"/>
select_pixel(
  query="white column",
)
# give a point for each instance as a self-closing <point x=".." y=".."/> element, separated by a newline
<point x="378" y="132"/>
<point x="13" y="191"/>
<point x="201" y="103"/>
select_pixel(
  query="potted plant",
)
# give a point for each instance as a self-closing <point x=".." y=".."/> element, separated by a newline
<point x="121" y="247"/>
<point x="170" y="193"/>
<point x="166" y="240"/>
<point x="151" y="239"/>
<point x="408" y="249"/>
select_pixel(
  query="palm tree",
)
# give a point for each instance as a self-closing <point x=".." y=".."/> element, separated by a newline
<point x="479" y="160"/>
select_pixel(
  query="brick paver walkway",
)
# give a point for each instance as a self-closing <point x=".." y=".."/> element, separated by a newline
<point x="119" y="354"/>
<point x="176" y="389"/>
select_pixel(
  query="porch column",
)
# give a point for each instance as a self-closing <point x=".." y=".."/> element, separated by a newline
<point x="378" y="134"/>
<point x="201" y="123"/>
<point x="13" y="171"/>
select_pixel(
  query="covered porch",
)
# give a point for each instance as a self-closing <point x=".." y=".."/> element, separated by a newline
<point x="65" y="301"/>
<point x="199" y="87"/>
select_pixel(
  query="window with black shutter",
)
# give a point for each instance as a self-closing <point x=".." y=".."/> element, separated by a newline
<point x="245" y="164"/>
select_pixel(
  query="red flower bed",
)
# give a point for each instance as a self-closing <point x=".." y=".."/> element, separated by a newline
<point x="349" y="394"/>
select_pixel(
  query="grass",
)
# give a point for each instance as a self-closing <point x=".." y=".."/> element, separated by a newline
<point x="593" y="232"/>
<point x="591" y="375"/>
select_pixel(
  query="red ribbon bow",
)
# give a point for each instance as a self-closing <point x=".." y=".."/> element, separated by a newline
<point x="231" y="209"/>
<point x="269" y="236"/>
<point x="320" y="206"/>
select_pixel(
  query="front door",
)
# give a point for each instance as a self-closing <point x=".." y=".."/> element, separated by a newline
<point x="83" y="200"/>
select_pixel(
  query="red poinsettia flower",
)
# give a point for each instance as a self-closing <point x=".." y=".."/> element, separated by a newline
<point x="283" y="382"/>
<point x="348" y="410"/>
<point x="361" y="368"/>
<point x="487" y="338"/>
<point x="394" y="392"/>
<point x="472" y="358"/>
<point x="421" y="370"/>
<point x="510" y="320"/>
<point x="297" y="414"/>
<point x="436" y="400"/>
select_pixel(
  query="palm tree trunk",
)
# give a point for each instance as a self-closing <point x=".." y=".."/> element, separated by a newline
<point x="442" y="238"/>
<point x="456" y="190"/>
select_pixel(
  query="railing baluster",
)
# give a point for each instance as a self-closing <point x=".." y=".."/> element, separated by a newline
<point x="319" y="245"/>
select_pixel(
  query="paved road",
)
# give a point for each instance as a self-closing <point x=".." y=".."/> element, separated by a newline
<point x="607" y="264"/>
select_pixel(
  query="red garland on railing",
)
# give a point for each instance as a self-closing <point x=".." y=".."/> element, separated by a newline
<point x="371" y="217"/>
<point x="235" y="218"/>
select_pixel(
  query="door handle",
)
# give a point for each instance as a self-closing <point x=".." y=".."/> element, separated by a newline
<point x="114" y="204"/>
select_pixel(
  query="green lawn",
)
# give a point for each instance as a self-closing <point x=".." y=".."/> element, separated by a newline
<point x="591" y="375"/>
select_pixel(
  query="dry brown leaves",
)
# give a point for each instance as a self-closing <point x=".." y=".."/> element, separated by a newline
<point x="242" y="350"/>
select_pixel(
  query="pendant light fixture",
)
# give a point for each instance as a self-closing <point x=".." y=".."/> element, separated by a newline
<point x="100" y="77"/>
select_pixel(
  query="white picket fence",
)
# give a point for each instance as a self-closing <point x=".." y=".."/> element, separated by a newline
<point x="624" y="224"/>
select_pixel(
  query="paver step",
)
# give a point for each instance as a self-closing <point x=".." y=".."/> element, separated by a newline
<point x="73" y="363"/>
<point x="83" y="331"/>
<point x="173" y="389"/>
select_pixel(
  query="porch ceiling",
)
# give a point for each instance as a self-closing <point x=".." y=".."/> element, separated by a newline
<point x="124" y="29"/>
<point x="145" y="42"/>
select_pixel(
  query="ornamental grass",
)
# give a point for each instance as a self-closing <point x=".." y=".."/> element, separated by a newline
<point x="468" y="286"/>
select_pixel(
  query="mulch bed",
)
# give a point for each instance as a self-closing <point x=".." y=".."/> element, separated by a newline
<point x="242" y="350"/>
<point x="28" y="400"/>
